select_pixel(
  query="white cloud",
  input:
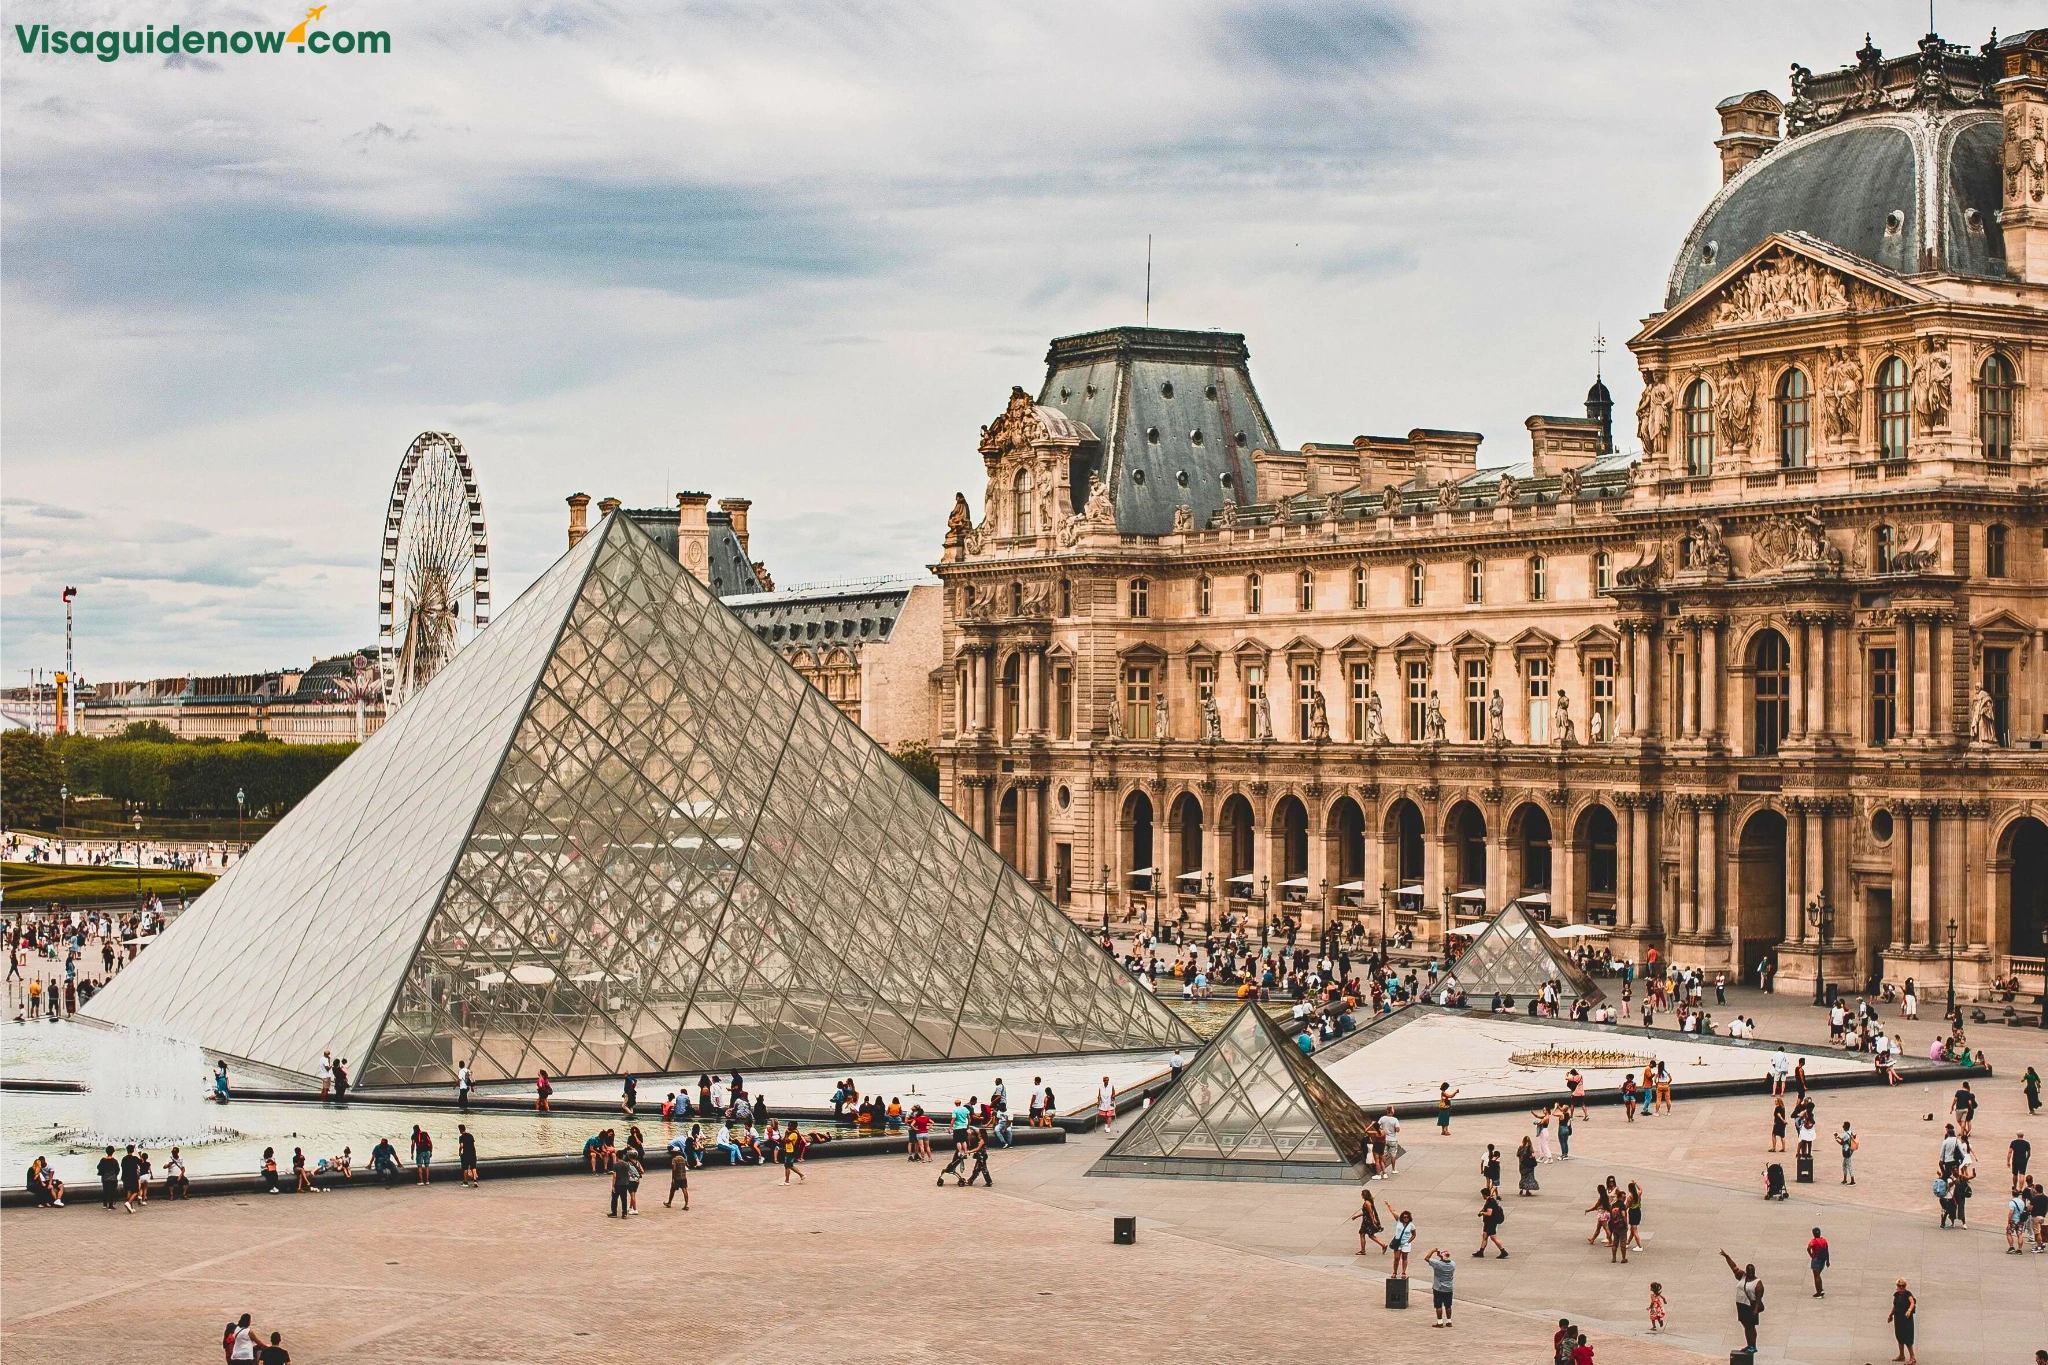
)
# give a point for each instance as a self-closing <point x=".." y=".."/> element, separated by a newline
<point x="796" y="252"/>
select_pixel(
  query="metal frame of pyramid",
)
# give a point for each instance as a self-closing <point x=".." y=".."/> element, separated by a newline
<point x="1250" y="1106"/>
<point x="1515" y="956"/>
<point x="619" y="833"/>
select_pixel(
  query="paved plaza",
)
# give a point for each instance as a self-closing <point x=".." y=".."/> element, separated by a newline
<point x="870" y="1261"/>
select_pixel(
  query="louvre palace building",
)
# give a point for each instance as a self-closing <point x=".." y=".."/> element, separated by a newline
<point x="1761" y="678"/>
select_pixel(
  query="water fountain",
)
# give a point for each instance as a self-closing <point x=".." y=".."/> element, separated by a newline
<point x="148" y="1088"/>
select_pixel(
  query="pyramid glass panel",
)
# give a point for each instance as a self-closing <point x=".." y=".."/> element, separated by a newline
<point x="1514" y="956"/>
<point x="620" y="833"/>
<point x="1249" y="1106"/>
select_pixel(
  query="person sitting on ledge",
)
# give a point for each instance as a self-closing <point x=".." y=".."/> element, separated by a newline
<point x="725" y="1144"/>
<point x="44" y="1185"/>
<point x="175" y="1179"/>
<point x="895" y="1114"/>
<point x="384" y="1160"/>
<point x="593" y="1152"/>
<point x="750" y="1146"/>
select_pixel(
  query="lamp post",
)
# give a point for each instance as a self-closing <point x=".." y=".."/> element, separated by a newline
<point x="1383" y="919"/>
<point x="1105" y="900"/>
<point x="1323" y="910"/>
<point x="241" y="800"/>
<point x="1208" y="906"/>
<point x="1820" y="913"/>
<point x="138" y="863"/>
<point x="1265" y="910"/>
<point x="63" y="814"/>
<point x="1951" y="965"/>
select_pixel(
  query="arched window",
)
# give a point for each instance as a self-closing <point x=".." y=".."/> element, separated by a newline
<point x="1994" y="407"/>
<point x="1894" y="409"/>
<point x="1414" y="585"/>
<point x="1699" y="429"/>
<point x="1886" y="544"/>
<point x="1603" y="571"/>
<point x="1203" y="595"/>
<point x="1305" y="591"/>
<point x="1358" y="588"/>
<point x="1771" y="683"/>
<point x="1254" y="594"/>
<point x="1141" y="597"/>
<point x="1020" y="503"/>
<point x="1795" y="421"/>
<point x="1539" y="579"/>
<point x="1475" y="580"/>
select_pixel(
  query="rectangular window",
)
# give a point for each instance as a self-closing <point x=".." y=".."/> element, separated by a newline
<point x="1254" y="693"/>
<point x="1305" y="684"/>
<point x="1884" y="695"/>
<point x="1361" y="683"/>
<point x="1066" y="597"/>
<point x="1305" y="593"/>
<point x="1138" y="702"/>
<point x="1475" y="700"/>
<point x="1415" y="585"/>
<point x="1603" y="571"/>
<point x="1141" y="597"/>
<point x="1539" y="701"/>
<point x="1205" y="682"/>
<point x="1994" y="551"/>
<point x="1417" y="674"/>
<point x="1063" y="703"/>
<point x="1203" y="588"/>
<point x="1602" y="719"/>
<point x="1539" y="579"/>
<point x="1358" y="581"/>
<point x="1475" y="581"/>
<point x="1998" y="682"/>
<point x="1254" y="594"/>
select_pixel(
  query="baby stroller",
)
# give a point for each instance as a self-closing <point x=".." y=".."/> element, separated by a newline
<point x="1774" y="1182"/>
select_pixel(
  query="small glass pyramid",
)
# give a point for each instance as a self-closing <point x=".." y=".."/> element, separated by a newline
<point x="1249" y="1106"/>
<point x="1514" y="956"/>
<point x="619" y="833"/>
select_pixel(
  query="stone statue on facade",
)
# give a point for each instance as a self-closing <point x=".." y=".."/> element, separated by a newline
<point x="1183" y="519"/>
<point x="1434" y="719"/>
<point x="2026" y="154"/>
<point x="1809" y="540"/>
<point x="1841" y="380"/>
<point x="1335" y="508"/>
<point x="1390" y="500"/>
<point x="1709" y="552"/>
<point x="1737" y="406"/>
<point x="1496" y="719"/>
<point x="960" y="520"/>
<point x="1375" y="728"/>
<point x="1983" y="718"/>
<point x="1283" y="510"/>
<point x="1447" y="496"/>
<point x="1508" y="491"/>
<point x="1100" y="511"/>
<point x="1116" y="719"/>
<point x="1318" y="717"/>
<point x="1568" y="485"/>
<point x="1162" y="723"/>
<point x="1934" y="385"/>
<point x="1567" y="735"/>
<point x="1262" y="718"/>
<point x="1596" y="728"/>
<point x="1226" y="515"/>
<point x="1653" y="413"/>
<point x="1212" y="721"/>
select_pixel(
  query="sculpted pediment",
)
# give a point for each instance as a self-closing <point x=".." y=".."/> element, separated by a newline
<point x="1786" y="276"/>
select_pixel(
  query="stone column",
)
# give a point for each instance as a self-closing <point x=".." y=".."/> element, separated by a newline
<point x="1710" y="865"/>
<point x="1372" y="870"/>
<point x="1624" y="691"/>
<point x="1644" y="863"/>
<point x="1498" y="893"/>
<point x="1976" y="874"/>
<point x="1640" y="693"/>
<point x="1685" y="651"/>
<point x="1803" y="672"/>
<point x="1816" y="855"/>
<point x="1710" y="677"/>
<point x="1952" y="876"/>
<point x="1904" y="933"/>
<point x="1688" y="862"/>
<point x="1795" y="870"/>
<point x="1034" y="663"/>
<point x="1923" y="680"/>
<point x="1564" y="864"/>
<point x="1817" y="675"/>
<point x="1029" y="796"/>
<point x="1624" y="863"/>
<point x="1925" y="913"/>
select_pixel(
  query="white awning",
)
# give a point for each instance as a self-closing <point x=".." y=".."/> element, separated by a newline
<point x="1143" y="871"/>
<point x="1189" y="877"/>
<point x="1246" y="878"/>
<point x="1351" y="886"/>
<point x="1535" y="898"/>
<point x="1471" y="893"/>
<point x="1576" y="931"/>
<point x="1465" y="930"/>
<point x="1296" y="883"/>
<point x="1414" y="890"/>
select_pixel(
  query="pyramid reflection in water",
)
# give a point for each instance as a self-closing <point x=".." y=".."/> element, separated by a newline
<point x="1250" y="1106"/>
<point x="619" y="833"/>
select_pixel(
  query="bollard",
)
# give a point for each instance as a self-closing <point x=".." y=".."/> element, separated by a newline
<point x="1397" y="1292"/>
<point x="1126" y="1231"/>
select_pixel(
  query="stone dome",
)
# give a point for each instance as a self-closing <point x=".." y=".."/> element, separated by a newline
<point x="1896" y="161"/>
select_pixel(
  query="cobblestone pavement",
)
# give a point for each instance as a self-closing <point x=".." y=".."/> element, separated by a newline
<point x="869" y="1261"/>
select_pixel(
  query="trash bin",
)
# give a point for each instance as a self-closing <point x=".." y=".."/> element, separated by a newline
<point x="1805" y="1175"/>
<point x="1832" y="993"/>
<point x="1397" y="1292"/>
<point x="1126" y="1231"/>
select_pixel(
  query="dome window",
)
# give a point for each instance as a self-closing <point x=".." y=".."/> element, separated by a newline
<point x="1226" y="479"/>
<point x="1240" y="440"/>
<point x="1152" y="435"/>
<point x="1894" y="222"/>
<point x="1181" y="478"/>
<point x="1210" y="393"/>
<point x="1065" y="393"/>
<point x="1195" y="436"/>
<point x="1166" y="389"/>
<point x="1088" y="392"/>
<point x="1709" y="252"/>
<point x="1138" y="477"/>
<point x="1974" y="221"/>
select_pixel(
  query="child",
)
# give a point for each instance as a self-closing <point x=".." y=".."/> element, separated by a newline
<point x="1656" y="1306"/>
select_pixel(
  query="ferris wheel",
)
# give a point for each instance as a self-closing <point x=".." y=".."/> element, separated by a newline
<point x="434" y="587"/>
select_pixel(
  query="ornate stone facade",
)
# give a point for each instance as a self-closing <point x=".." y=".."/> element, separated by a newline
<point x="1784" y="661"/>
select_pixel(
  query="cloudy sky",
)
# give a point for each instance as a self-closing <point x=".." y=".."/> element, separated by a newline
<point x="796" y="252"/>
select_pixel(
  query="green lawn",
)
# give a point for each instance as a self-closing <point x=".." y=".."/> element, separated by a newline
<point x="43" y="882"/>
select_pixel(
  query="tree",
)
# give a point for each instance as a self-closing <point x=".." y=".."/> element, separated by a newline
<point x="920" y="762"/>
<point x="256" y="737"/>
<point x="31" y="772"/>
<point x="148" y="732"/>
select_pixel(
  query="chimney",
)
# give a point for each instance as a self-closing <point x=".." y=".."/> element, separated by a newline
<point x="1749" y="128"/>
<point x="2023" y="97"/>
<point x="1560" y="443"/>
<point x="579" y="517"/>
<point x="736" y="508"/>
<point x="1441" y="455"/>
<point x="693" y="533"/>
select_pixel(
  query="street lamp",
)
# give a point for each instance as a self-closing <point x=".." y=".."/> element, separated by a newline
<point x="1105" y="900"/>
<point x="1323" y="910"/>
<point x="1951" y="965"/>
<point x="1265" y="910"/>
<point x="1820" y="913"/>
<point x="1383" y="918"/>
<point x="1208" y="906"/>
<point x="63" y="811"/>
<point x="138" y="862"/>
<point x="241" y="798"/>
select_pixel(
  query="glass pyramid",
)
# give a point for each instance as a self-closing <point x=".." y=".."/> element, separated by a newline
<point x="619" y="833"/>
<point x="1513" y="955"/>
<point x="1250" y="1106"/>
